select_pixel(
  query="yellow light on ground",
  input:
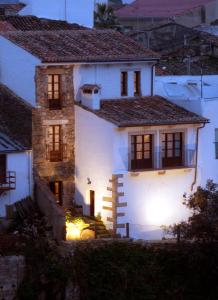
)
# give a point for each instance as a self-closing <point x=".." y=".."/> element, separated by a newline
<point x="74" y="229"/>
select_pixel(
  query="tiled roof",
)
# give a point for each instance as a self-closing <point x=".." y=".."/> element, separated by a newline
<point x="146" y="111"/>
<point x="32" y="23"/>
<point x="9" y="145"/>
<point x="5" y="26"/>
<point x="80" y="46"/>
<point x="15" y="118"/>
<point x="159" y="8"/>
<point x="12" y="8"/>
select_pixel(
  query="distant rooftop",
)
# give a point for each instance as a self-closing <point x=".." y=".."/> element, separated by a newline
<point x="80" y="46"/>
<point x="10" y="9"/>
<point x="159" y="8"/>
<point x="145" y="111"/>
<point x="32" y="23"/>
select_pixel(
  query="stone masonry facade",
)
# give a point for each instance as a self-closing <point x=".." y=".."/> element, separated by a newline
<point x="43" y="118"/>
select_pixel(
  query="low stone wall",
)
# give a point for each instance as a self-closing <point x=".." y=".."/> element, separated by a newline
<point x="55" y="214"/>
<point x="12" y="270"/>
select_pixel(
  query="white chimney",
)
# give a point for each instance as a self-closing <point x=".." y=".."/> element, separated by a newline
<point x="90" y="96"/>
<point x="80" y="11"/>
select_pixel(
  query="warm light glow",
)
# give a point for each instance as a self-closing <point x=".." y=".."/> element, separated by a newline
<point x="74" y="229"/>
<point x="159" y="212"/>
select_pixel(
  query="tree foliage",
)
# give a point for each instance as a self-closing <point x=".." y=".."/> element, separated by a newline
<point x="202" y="225"/>
<point x="104" y="17"/>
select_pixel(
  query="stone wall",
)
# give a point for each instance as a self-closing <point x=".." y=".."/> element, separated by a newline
<point x="55" y="215"/>
<point x="43" y="117"/>
<point x="12" y="270"/>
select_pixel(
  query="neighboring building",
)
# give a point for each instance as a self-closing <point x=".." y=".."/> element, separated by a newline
<point x="200" y="95"/>
<point x="15" y="150"/>
<point x="184" y="51"/>
<point x="141" y="13"/>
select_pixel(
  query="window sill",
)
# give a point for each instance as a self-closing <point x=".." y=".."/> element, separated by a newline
<point x="161" y="169"/>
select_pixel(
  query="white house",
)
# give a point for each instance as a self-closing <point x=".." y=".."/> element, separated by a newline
<point x="15" y="150"/>
<point x="135" y="154"/>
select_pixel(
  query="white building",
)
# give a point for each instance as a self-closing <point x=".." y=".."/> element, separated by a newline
<point x="15" y="150"/>
<point x="122" y="131"/>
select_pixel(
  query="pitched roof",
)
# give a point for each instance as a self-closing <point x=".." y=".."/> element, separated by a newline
<point x="32" y="23"/>
<point x="80" y="46"/>
<point x="11" y="8"/>
<point x="9" y="145"/>
<point x="159" y="8"/>
<point x="146" y="111"/>
<point x="15" y="118"/>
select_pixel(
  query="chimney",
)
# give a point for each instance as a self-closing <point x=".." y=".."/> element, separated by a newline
<point x="90" y="96"/>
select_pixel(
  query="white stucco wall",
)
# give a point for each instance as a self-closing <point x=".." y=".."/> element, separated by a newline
<point x="108" y="77"/>
<point x="21" y="163"/>
<point x="17" y="70"/>
<point x="153" y="198"/>
<point x="81" y="12"/>
<point x="93" y="157"/>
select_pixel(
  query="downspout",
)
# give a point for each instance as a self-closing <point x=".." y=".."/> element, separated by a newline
<point x="196" y="159"/>
<point x="29" y="172"/>
<point x="152" y="80"/>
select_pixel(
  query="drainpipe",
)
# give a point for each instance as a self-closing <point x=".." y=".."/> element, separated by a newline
<point x="29" y="172"/>
<point x="152" y="80"/>
<point x="196" y="160"/>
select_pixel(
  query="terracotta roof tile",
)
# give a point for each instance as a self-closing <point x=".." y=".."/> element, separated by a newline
<point x="32" y="23"/>
<point x="12" y="8"/>
<point x="15" y="117"/>
<point x="146" y="111"/>
<point x="159" y="8"/>
<point x="5" y="26"/>
<point x="80" y="46"/>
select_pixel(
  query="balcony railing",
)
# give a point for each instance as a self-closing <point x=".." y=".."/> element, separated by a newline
<point x="54" y="155"/>
<point x="8" y="181"/>
<point x="158" y="162"/>
<point x="55" y="104"/>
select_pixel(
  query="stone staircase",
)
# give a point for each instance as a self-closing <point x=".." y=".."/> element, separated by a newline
<point x="99" y="227"/>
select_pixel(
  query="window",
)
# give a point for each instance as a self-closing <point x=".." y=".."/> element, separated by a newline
<point x="54" y="91"/>
<point x="216" y="143"/>
<point x="2" y="168"/>
<point x="124" y="83"/>
<point x="55" y="149"/>
<point x="57" y="189"/>
<point x="137" y="83"/>
<point x="141" y="152"/>
<point x="172" y="149"/>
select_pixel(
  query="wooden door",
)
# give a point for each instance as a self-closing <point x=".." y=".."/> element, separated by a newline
<point x="92" y="203"/>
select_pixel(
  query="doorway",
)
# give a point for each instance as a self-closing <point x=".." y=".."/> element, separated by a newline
<point x="92" y="203"/>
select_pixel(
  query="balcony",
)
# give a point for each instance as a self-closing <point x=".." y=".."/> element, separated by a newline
<point x="8" y="181"/>
<point x="157" y="162"/>
<point x="56" y="154"/>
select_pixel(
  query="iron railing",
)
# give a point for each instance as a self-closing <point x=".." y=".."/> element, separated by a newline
<point x="8" y="181"/>
<point x="54" y="155"/>
<point x="186" y="160"/>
